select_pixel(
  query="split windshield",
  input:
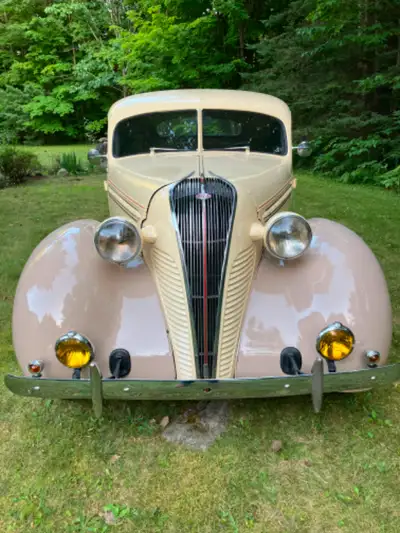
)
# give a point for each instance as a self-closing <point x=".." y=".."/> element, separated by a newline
<point x="178" y="131"/>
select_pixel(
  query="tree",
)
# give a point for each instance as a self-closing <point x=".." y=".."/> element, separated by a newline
<point x="337" y="64"/>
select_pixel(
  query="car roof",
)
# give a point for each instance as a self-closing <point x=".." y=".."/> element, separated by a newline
<point x="199" y="99"/>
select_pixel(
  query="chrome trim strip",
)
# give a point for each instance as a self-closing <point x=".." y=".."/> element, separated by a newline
<point x="130" y="211"/>
<point x="121" y="193"/>
<point x="224" y="268"/>
<point x="271" y="201"/>
<point x="184" y="269"/>
<point x="211" y="389"/>
<point x="272" y="210"/>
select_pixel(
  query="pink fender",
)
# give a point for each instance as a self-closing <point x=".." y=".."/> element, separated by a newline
<point x="65" y="286"/>
<point x="337" y="279"/>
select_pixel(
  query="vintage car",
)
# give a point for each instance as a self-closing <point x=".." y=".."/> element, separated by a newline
<point x="202" y="284"/>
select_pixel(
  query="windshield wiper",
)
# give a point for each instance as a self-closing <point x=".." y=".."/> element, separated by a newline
<point x="155" y="149"/>
<point x="245" y="148"/>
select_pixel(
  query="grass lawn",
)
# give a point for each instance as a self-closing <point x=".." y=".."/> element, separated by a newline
<point x="337" y="472"/>
<point x="48" y="154"/>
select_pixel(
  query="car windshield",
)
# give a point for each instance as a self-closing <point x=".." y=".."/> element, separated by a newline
<point x="230" y="130"/>
<point x="177" y="130"/>
<point x="152" y="132"/>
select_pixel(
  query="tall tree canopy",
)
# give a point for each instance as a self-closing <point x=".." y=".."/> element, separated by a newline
<point x="336" y="63"/>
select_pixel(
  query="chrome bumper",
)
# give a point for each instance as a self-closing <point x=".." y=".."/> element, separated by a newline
<point x="98" y="389"/>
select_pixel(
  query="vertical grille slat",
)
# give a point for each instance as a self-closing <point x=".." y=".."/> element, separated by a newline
<point x="188" y="199"/>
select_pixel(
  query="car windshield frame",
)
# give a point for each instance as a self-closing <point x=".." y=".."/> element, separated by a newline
<point x="236" y="140"/>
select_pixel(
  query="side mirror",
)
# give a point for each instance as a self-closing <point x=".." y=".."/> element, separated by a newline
<point x="303" y="149"/>
<point x="96" y="158"/>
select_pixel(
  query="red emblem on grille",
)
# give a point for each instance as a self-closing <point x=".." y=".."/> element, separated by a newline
<point x="203" y="196"/>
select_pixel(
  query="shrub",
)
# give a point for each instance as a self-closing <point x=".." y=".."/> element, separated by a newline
<point x="391" y="180"/>
<point x="71" y="163"/>
<point x="16" y="165"/>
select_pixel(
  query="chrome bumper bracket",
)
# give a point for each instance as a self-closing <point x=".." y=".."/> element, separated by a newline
<point x="317" y="383"/>
<point x="97" y="389"/>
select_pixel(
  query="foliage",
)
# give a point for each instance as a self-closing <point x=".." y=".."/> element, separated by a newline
<point x="16" y="165"/>
<point x="336" y="63"/>
<point x="391" y="179"/>
<point x="71" y="162"/>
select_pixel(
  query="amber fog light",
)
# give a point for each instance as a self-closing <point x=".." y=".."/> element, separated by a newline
<point x="74" y="350"/>
<point x="36" y="368"/>
<point x="335" y="342"/>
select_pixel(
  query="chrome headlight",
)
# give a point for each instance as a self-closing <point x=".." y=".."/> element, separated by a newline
<point x="287" y="235"/>
<point x="117" y="240"/>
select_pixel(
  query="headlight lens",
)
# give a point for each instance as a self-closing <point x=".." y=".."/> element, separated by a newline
<point x="74" y="350"/>
<point x="287" y="235"/>
<point x="335" y="342"/>
<point x="117" y="240"/>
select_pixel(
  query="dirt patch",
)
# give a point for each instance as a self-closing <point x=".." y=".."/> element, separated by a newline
<point x="199" y="427"/>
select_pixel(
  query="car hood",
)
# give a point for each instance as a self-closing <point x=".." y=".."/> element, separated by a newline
<point x="167" y="168"/>
<point x="260" y="175"/>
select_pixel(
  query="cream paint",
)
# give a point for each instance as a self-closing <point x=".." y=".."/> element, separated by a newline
<point x="261" y="176"/>
<point x="338" y="279"/>
<point x="66" y="286"/>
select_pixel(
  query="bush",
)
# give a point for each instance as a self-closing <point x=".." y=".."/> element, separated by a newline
<point x="391" y="180"/>
<point x="16" y="166"/>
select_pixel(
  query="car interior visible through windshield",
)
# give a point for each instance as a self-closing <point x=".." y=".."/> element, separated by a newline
<point x="227" y="129"/>
<point x="171" y="130"/>
<point x="178" y="130"/>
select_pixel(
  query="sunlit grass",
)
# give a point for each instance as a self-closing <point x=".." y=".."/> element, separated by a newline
<point x="48" y="154"/>
<point x="337" y="471"/>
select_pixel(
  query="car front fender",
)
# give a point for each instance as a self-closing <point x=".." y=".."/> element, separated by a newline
<point x="337" y="279"/>
<point x="65" y="286"/>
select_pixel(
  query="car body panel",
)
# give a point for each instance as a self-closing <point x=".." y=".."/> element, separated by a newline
<point x="198" y="99"/>
<point x="66" y="286"/>
<point x="338" y="279"/>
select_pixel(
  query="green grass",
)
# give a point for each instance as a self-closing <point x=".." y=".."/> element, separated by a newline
<point x="48" y="154"/>
<point x="337" y="472"/>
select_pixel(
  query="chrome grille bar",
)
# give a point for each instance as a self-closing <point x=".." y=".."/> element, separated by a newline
<point x="204" y="209"/>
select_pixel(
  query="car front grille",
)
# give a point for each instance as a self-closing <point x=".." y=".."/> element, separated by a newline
<point x="204" y="209"/>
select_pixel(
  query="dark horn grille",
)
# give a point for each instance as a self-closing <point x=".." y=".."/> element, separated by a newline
<point x="204" y="209"/>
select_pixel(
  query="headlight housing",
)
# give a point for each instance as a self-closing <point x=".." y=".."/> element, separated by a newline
<point x="117" y="240"/>
<point x="335" y="342"/>
<point x="287" y="235"/>
<point x="74" y="350"/>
